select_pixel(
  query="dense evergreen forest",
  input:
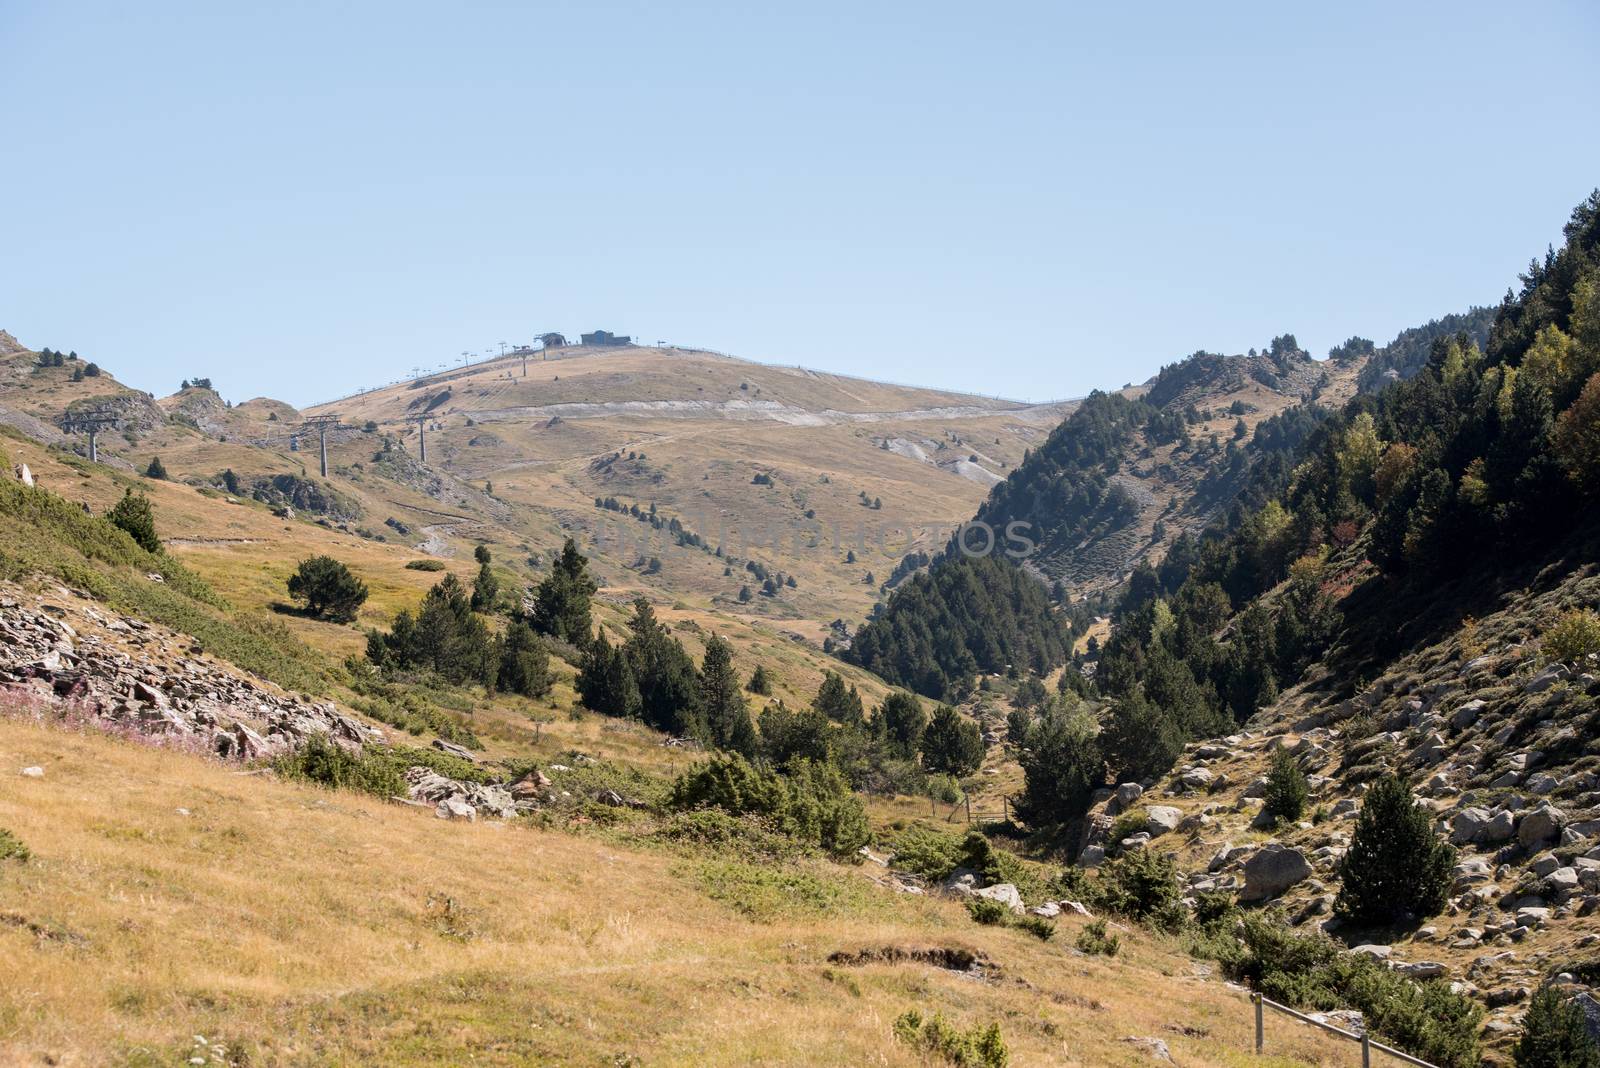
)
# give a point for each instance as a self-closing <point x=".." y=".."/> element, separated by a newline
<point x="964" y="616"/>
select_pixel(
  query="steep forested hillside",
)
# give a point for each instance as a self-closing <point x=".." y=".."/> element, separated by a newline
<point x="1408" y="352"/>
<point x="1123" y="480"/>
<point x="1412" y="509"/>
<point x="967" y="615"/>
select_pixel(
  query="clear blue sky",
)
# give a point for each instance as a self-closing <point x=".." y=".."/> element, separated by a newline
<point x="1031" y="199"/>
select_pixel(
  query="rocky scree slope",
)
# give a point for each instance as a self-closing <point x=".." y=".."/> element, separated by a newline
<point x="68" y="659"/>
<point x="1504" y="750"/>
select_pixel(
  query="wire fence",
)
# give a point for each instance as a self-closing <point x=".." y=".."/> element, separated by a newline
<point x="962" y="811"/>
<point x="1368" y="1044"/>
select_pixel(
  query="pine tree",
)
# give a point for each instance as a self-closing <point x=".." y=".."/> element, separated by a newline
<point x="1396" y="866"/>
<point x="485" y="588"/>
<point x="669" y="690"/>
<point x="760" y="682"/>
<point x="1286" y="788"/>
<point x="800" y="734"/>
<point x="605" y="682"/>
<point x="452" y="640"/>
<point x="1554" y="1034"/>
<point x="524" y="662"/>
<point x="950" y="744"/>
<point x="134" y="515"/>
<point x="561" y="604"/>
<point x="156" y="469"/>
<point x="727" y="720"/>
<point x="903" y="722"/>
<point x="1061" y="765"/>
<point x="1140" y="741"/>
<point x="836" y="702"/>
<point x="328" y="589"/>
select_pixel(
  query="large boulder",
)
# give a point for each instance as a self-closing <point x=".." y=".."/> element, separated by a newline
<point x="1005" y="893"/>
<point x="1499" y="829"/>
<point x="1468" y="714"/>
<point x="454" y="808"/>
<point x="1539" y="826"/>
<point x="1128" y="794"/>
<point x="1467" y="825"/>
<point x="1273" y="869"/>
<point x="1545" y="679"/>
<point x="1159" y="819"/>
<point x="963" y="882"/>
<point x="1430" y="750"/>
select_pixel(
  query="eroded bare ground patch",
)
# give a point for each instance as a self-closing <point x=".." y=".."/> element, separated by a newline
<point x="42" y="931"/>
<point x="949" y="958"/>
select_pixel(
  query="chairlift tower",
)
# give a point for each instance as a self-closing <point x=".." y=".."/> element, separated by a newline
<point x="90" y="421"/>
<point x="321" y="424"/>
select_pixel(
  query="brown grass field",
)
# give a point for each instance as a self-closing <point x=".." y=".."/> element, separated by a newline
<point x="170" y="896"/>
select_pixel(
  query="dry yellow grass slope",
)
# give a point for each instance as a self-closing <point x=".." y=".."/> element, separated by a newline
<point x="170" y="897"/>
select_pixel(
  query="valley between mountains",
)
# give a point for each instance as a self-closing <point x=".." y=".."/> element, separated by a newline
<point x="642" y="705"/>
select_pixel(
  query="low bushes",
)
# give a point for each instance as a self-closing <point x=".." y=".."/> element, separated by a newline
<point x="934" y="856"/>
<point x="1573" y="638"/>
<point x="1310" y="972"/>
<point x="765" y="893"/>
<point x="812" y="802"/>
<point x="978" y="1047"/>
<point x="1095" y="940"/>
<point x="711" y="830"/>
<point x="11" y="847"/>
<point x="326" y="763"/>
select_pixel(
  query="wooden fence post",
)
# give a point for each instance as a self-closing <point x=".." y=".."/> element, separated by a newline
<point x="1261" y="1036"/>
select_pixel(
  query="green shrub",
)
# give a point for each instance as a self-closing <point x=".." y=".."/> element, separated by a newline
<point x="1397" y="865"/>
<point x="811" y="802"/>
<point x="425" y="565"/>
<point x="928" y="853"/>
<point x="980" y="1047"/>
<point x="1094" y="939"/>
<point x="1287" y="789"/>
<point x="1038" y="926"/>
<point x="714" y="831"/>
<point x="11" y="847"/>
<point x="405" y="707"/>
<point x="1127" y="825"/>
<point x="586" y="779"/>
<point x="451" y="767"/>
<point x="1144" y="887"/>
<point x="1554" y="1034"/>
<point x="329" y="764"/>
<point x="1573" y="638"/>
<point x="987" y="912"/>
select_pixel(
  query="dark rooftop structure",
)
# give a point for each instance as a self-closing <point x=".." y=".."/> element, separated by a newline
<point x="604" y="338"/>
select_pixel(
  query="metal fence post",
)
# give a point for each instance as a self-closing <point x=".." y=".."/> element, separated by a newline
<point x="1366" y="1051"/>
<point x="1261" y="1029"/>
